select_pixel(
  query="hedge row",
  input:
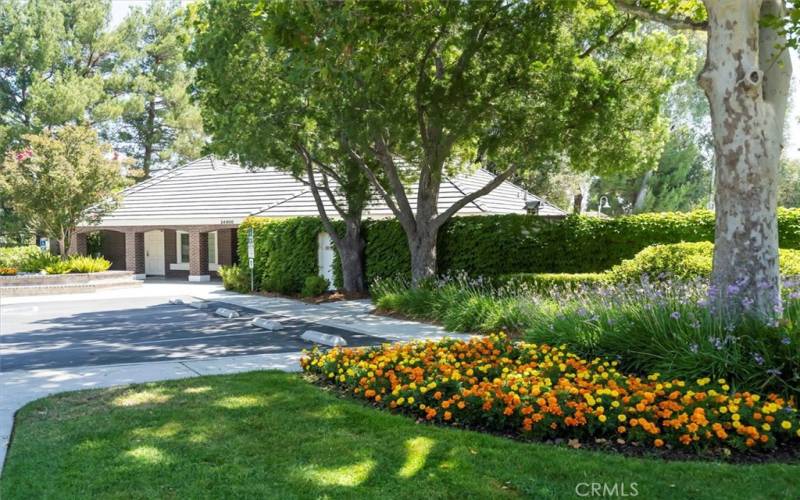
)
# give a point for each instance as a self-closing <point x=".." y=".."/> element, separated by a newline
<point x="286" y="250"/>
<point x="506" y="244"/>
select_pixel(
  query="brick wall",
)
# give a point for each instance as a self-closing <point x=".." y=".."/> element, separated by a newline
<point x="113" y="249"/>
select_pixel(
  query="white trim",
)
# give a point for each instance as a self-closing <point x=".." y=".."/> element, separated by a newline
<point x="178" y="259"/>
<point x="204" y="277"/>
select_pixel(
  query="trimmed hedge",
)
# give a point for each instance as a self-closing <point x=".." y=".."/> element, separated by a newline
<point x="491" y="246"/>
<point x="504" y="244"/>
<point x="286" y="252"/>
<point x="685" y="261"/>
<point x="543" y="282"/>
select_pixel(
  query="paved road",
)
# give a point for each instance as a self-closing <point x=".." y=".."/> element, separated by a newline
<point x="59" y="334"/>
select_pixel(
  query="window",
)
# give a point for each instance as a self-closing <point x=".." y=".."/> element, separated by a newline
<point x="182" y="250"/>
<point x="183" y="247"/>
<point x="212" y="247"/>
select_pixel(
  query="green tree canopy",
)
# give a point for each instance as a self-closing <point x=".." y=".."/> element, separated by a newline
<point x="56" y="178"/>
<point x="159" y="126"/>
<point x="432" y="88"/>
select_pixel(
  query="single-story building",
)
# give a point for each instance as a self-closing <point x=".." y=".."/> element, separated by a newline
<point x="183" y="223"/>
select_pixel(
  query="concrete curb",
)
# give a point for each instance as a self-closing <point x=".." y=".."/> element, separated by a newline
<point x="323" y="338"/>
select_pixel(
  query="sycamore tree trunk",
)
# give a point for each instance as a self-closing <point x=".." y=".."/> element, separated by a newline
<point x="746" y="80"/>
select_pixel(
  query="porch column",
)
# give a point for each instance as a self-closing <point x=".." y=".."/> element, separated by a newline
<point x="134" y="254"/>
<point x="198" y="256"/>
<point x="78" y="244"/>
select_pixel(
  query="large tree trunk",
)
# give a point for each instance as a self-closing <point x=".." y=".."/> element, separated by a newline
<point x="423" y="256"/>
<point x="746" y="81"/>
<point x="351" y="254"/>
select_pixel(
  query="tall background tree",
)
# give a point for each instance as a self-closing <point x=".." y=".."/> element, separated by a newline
<point x="441" y="87"/>
<point x="159" y="127"/>
<point x="54" y="178"/>
<point x="62" y="63"/>
<point x="265" y="107"/>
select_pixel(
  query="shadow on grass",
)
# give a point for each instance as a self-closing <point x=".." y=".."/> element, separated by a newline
<point x="269" y="434"/>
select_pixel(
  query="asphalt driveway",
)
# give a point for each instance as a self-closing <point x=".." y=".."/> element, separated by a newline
<point x="67" y="333"/>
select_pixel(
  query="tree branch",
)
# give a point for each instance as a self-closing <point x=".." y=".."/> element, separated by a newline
<point x="398" y="189"/>
<point x="678" y="23"/>
<point x="323" y="214"/>
<point x="375" y="183"/>
<point x="491" y="185"/>
<point x="611" y="37"/>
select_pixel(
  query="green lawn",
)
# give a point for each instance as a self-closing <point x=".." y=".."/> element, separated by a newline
<point x="268" y="434"/>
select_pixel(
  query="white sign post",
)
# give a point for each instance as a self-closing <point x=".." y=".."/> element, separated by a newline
<point x="251" y="255"/>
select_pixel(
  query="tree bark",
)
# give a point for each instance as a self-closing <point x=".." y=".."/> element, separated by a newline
<point x="147" y="156"/>
<point x="351" y="254"/>
<point x="746" y="80"/>
<point x="423" y="255"/>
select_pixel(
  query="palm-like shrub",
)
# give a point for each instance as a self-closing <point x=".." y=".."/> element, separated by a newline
<point x="85" y="264"/>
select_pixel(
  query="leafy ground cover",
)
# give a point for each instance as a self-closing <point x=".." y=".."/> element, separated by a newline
<point x="272" y="435"/>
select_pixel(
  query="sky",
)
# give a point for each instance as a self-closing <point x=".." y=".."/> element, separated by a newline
<point x="121" y="7"/>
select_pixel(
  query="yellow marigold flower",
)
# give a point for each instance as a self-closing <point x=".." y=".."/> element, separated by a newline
<point x="622" y="418"/>
<point x="723" y="409"/>
<point x="401" y="401"/>
<point x="602" y="418"/>
<point x="411" y="400"/>
<point x="786" y="425"/>
<point x="766" y="426"/>
<point x="615" y="404"/>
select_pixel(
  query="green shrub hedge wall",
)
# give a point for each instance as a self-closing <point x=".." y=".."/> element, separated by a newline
<point x="505" y="244"/>
<point x="286" y="252"/>
<point x="286" y="249"/>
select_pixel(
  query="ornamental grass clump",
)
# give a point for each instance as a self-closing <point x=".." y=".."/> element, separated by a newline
<point x="542" y="392"/>
<point x="672" y="327"/>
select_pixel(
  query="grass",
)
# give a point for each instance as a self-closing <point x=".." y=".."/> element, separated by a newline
<point x="272" y="435"/>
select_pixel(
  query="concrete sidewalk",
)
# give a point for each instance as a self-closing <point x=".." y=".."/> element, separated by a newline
<point x="18" y="388"/>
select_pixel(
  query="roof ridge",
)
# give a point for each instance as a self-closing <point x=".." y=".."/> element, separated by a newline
<point x="279" y="202"/>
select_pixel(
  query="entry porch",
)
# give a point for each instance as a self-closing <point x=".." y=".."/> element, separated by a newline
<point x="189" y="252"/>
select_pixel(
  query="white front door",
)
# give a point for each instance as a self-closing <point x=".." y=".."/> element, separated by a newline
<point x="154" y="253"/>
<point x="325" y="258"/>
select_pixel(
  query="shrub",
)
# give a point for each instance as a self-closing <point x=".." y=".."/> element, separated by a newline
<point x="459" y="303"/>
<point x="314" y="285"/>
<point x="544" y="282"/>
<point x="235" y="278"/>
<point x="85" y="264"/>
<point x="28" y="258"/>
<point x="58" y="267"/>
<point x="684" y="261"/>
<point x="543" y="392"/>
<point x="8" y="271"/>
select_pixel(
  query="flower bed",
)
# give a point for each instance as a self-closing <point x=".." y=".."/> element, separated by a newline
<point x="543" y="392"/>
